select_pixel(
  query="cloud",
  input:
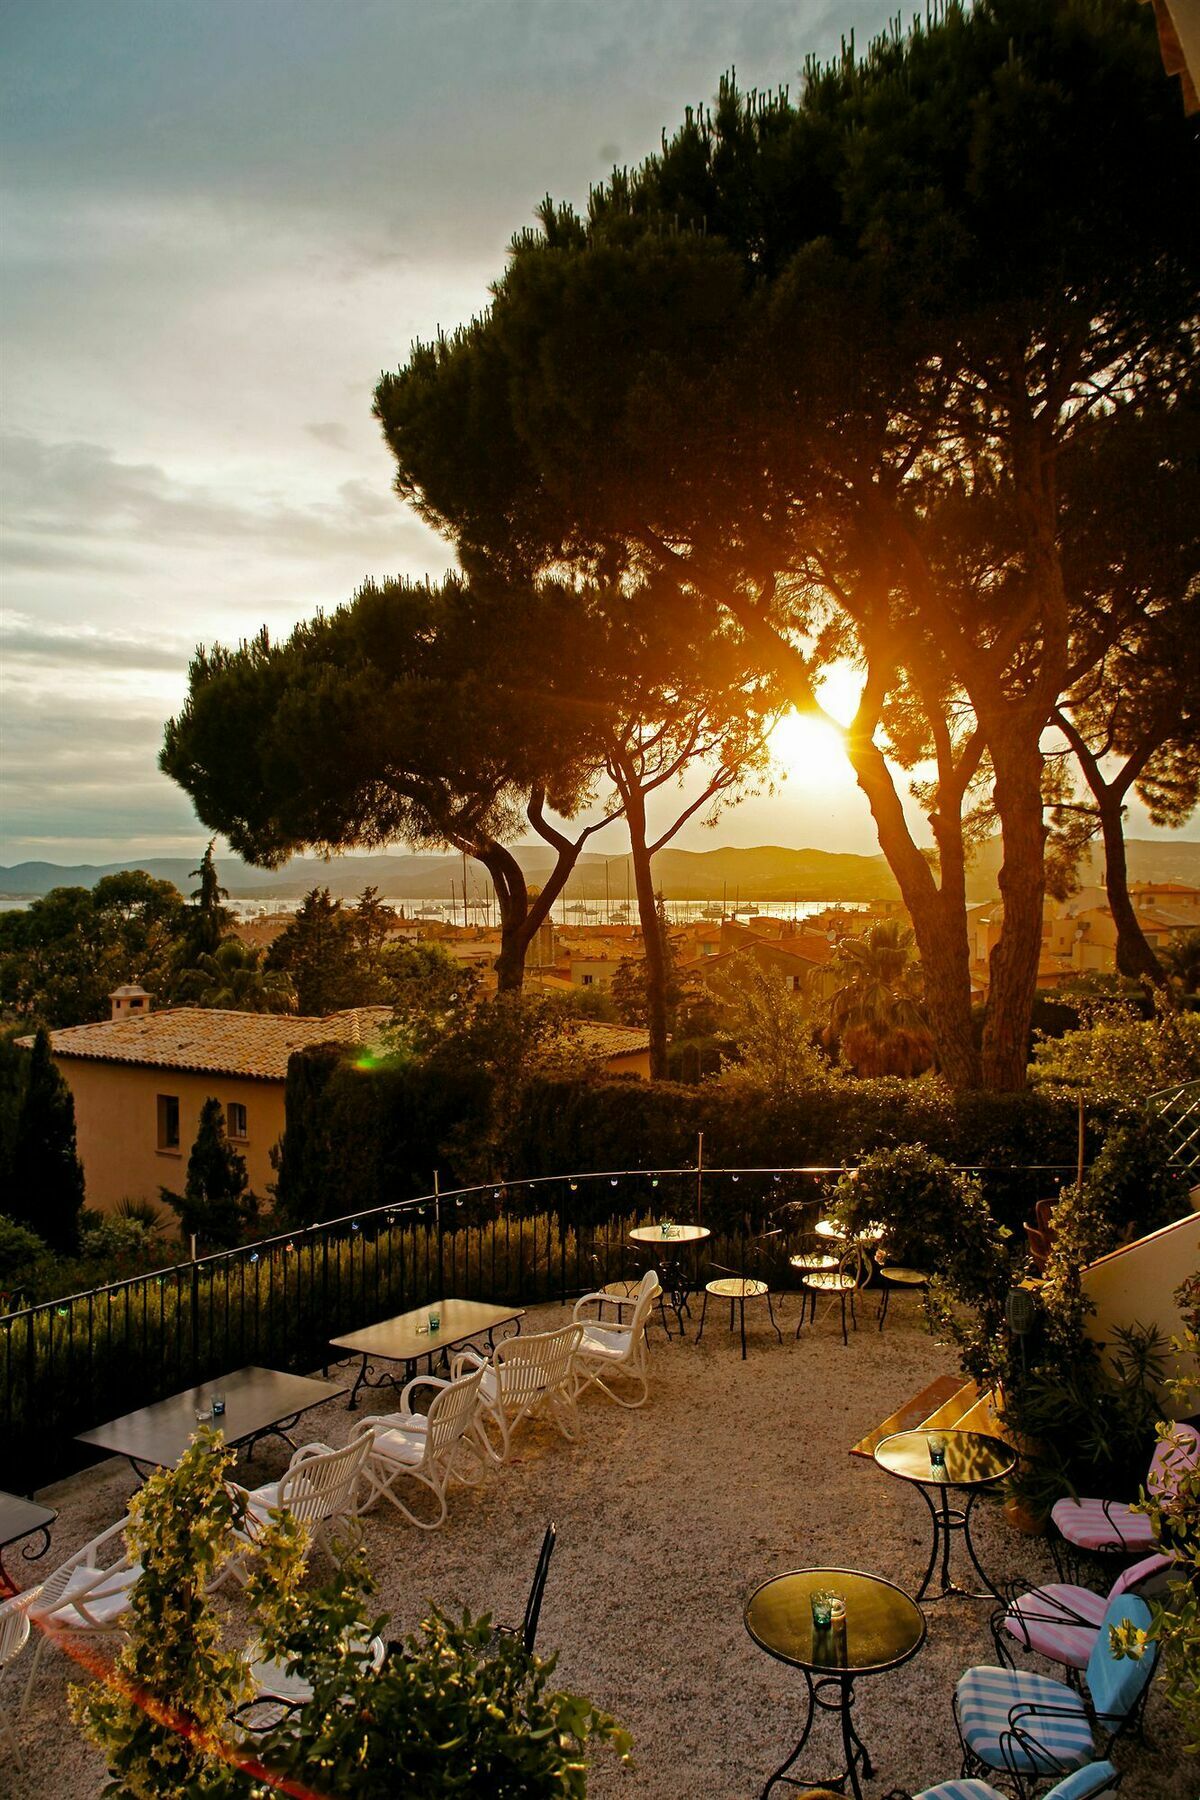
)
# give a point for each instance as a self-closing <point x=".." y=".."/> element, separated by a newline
<point x="24" y="641"/>
<point x="85" y="493"/>
<point x="330" y="433"/>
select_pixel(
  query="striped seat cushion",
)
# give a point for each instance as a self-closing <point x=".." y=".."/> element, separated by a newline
<point x="1102" y="1525"/>
<point x="1095" y="1782"/>
<point x="960" y="1790"/>
<point x="1048" y="1743"/>
<point x="1057" y="1621"/>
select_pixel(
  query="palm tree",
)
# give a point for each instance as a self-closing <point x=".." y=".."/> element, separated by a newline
<point x="876" y="1015"/>
<point x="233" y="977"/>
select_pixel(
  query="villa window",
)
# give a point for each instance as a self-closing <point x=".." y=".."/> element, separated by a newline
<point x="168" y="1121"/>
<point x="586" y="980"/>
<point x="236" y="1116"/>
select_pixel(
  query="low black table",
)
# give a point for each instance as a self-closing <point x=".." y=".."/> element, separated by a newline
<point x="258" y="1403"/>
<point x="883" y="1628"/>
<point x="407" y="1338"/>
<point x="18" y="1519"/>
<point x="973" y="1462"/>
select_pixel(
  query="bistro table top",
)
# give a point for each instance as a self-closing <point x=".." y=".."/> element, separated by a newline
<point x="407" y="1336"/>
<point x="255" y="1401"/>
<point x="835" y="1234"/>
<point x="679" y="1234"/>
<point x="18" y="1517"/>
<point x="972" y="1458"/>
<point x="884" y="1625"/>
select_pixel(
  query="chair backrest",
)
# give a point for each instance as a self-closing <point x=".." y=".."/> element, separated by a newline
<point x="1146" y="1576"/>
<point x="854" y="1263"/>
<point x="14" y="1627"/>
<point x="1115" y="1683"/>
<point x="649" y="1289"/>
<point x="1095" y="1781"/>
<point x="321" y="1487"/>
<point x="533" y="1606"/>
<point x="1172" y="1459"/>
<point x="541" y="1362"/>
<point x="451" y="1413"/>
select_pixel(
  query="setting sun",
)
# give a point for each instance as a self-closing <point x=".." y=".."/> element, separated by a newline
<point x="808" y="750"/>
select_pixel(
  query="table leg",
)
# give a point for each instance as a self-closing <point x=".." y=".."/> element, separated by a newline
<point x="853" y="1748"/>
<point x="7" y="1585"/>
<point x="947" y="1519"/>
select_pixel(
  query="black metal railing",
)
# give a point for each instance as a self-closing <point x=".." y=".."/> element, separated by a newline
<point x="71" y="1363"/>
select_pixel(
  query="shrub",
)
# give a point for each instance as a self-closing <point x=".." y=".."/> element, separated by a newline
<point x="454" y="1714"/>
<point x="1118" y="1055"/>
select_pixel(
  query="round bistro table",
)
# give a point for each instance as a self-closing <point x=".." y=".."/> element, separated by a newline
<point x="974" y="1462"/>
<point x="674" y="1273"/>
<point x="883" y="1628"/>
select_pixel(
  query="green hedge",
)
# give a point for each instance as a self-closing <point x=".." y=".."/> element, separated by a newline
<point x="582" y="1125"/>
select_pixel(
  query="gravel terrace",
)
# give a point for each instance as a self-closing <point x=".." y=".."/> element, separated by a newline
<point x="668" y="1517"/>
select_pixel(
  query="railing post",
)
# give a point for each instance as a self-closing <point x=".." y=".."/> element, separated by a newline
<point x="699" y="1177"/>
<point x="195" y="1311"/>
<point x="437" y="1214"/>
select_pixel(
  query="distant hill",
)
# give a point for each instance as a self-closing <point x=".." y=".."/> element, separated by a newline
<point x="767" y="872"/>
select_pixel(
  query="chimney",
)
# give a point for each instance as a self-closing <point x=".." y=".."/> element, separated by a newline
<point x="130" y="1001"/>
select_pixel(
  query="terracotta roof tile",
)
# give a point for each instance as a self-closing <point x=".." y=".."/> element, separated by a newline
<point x="214" y="1041"/>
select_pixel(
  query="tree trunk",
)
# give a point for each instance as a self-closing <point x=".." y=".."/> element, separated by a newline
<point x="938" y="916"/>
<point x="1013" y="967"/>
<point x="1135" y="958"/>
<point x="508" y="879"/>
<point x="653" y="947"/>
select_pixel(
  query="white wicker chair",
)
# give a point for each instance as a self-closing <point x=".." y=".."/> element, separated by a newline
<point x="14" y="1635"/>
<point x="87" y="1595"/>
<point x="524" y="1376"/>
<point x="428" y="1448"/>
<point x="319" y="1487"/>
<point x="610" y="1351"/>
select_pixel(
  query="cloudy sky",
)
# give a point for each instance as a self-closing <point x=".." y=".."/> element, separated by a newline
<point x="220" y="221"/>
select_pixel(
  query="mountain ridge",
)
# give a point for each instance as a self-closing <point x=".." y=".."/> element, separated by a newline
<point x="758" y="872"/>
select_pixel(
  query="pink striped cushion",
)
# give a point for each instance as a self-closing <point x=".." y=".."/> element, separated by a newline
<point x="1101" y="1525"/>
<point x="1057" y="1621"/>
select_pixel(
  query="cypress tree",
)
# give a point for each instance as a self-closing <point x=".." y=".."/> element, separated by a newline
<point x="214" y="1204"/>
<point x="47" y="1175"/>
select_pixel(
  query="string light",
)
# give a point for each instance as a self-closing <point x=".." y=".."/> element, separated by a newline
<point x="574" y="1186"/>
<point x="254" y="1256"/>
<point x="612" y="1181"/>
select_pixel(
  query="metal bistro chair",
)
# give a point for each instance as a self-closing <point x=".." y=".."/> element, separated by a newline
<point x="1027" y="1728"/>
<point x="896" y="1275"/>
<point x="738" y="1286"/>
<point x="527" y="1630"/>
<point x="840" y="1283"/>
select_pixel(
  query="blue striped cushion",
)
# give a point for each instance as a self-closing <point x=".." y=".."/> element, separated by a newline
<point x="986" y="1698"/>
<point x="1093" y="1783"/>
<point x="961" y="1790"/>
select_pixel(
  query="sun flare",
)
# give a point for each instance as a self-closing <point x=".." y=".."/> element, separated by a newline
<point x="807" y="749"/>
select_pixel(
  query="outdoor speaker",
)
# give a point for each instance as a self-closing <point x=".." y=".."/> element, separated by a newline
<point x="1019" y="1310"/>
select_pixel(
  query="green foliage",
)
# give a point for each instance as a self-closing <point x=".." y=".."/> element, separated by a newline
<point x="235" y="976"/>
<point x="1175" y="1619"/>
<point x="321" y="952"/>
<point x="1086" y="1425"/>
<point x="47" y="1175"/>
<point x="1117" y="1055"/>
<point x="772" y="1031"/>
<point x="163" y="1717"/>
<point x="214" y="1205"/>
<point x="1181" y="960"/>
<point x="63" y="954"/>
<point x="25" y="1258"/>
<point x="457" y="1712"/>
<point x="876" y="1017"/>
<point x="207" y="920"/>
<point x="431" y="992"/>
<point x="934" y="1218"/>
<point x="1130" y="1188"/>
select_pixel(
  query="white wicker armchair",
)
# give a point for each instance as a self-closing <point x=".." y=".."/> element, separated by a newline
<point x="610" y="1351"/>
<point x="525" y="1375"/>
<point x="14" y="1635"/>
<point x="319" y="1487"/>
<point x="86" y="1596"/>
<point x="427" y="1448"/>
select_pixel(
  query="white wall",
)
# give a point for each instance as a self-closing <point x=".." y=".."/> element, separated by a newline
<point x="1136" y="1285"/>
